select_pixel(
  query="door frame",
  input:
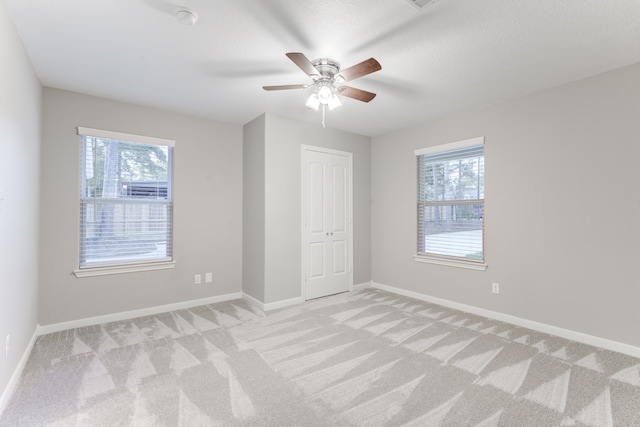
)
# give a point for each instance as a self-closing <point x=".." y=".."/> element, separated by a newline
<point x="303" y="194"/>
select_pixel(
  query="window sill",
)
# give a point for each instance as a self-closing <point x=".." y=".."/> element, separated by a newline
<point x="119" y="269"/>
<point x="470" y="265"/>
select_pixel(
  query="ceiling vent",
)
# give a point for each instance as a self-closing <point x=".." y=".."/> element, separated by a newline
<point x="419" y="4"/>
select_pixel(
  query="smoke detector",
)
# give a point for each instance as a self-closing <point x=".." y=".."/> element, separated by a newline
<point x="187" y="17"/>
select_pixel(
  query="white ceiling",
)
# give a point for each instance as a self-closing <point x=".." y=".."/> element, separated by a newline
<point x="450" y="55"/>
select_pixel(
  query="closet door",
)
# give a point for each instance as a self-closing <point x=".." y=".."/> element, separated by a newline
<point x="327" y="247"/>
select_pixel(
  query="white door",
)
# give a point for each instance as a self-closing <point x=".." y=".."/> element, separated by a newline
<point x="327" y="239"/>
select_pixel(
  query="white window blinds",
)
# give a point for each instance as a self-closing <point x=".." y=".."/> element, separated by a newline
<point x="451" y="201"/>
<point x="126" y="199"/>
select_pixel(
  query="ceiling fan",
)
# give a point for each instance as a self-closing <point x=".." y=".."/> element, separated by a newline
<point x="328" y="78"/>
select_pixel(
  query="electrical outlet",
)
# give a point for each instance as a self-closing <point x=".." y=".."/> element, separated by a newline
<point x="495" y="288"/>
<point x="198" y="279"/>
<point x="6" y="345"/>
<point x="208" y="278"/>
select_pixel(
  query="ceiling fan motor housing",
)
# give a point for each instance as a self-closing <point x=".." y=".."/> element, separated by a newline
<point x="327" y="68"/>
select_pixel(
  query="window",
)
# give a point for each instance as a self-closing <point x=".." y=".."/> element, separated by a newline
<point x="451" y="204"/>
<point x="126" y="202"/>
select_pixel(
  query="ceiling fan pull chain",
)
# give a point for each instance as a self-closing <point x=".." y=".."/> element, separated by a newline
<point x="323" y="116"/>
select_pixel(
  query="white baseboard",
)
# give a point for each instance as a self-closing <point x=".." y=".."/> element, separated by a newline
<point x="15" y="378"/>
<point x="292" y="301"/>
<point x="284" y="303"/>
<point x="272" y="305"/>
<point x="253" y="301"/>
<point x="525" y="323"/>
<point x="90" y="321"/>
<point x="364" y="285"/>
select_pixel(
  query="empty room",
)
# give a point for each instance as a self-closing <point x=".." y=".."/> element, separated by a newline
<point x="319" y="213"/>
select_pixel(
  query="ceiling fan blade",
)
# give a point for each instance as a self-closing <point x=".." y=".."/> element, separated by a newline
<point x="358" y="94"/>
<point x="362" y="69"/>
<point x="285" y="87"/>
<point x="305" y="65"/>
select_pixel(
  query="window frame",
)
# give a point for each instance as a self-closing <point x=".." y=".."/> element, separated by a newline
<point x="131" y="265"/>
<point x="447" y="260"/>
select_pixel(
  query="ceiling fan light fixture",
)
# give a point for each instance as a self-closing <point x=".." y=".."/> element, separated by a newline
<point x="324" y="94"/>
<point x="334" y="102"/>
<point x="313" y="102"/>
<point x="187" y="17"/>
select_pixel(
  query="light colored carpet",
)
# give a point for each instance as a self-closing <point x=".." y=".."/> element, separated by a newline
<point x="371" y="358"/>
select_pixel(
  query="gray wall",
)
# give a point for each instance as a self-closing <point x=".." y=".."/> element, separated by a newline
<point x="283" y="140"/>
<point x="253" y="219"/>
<point x="562" y="207"/>
<point x="207" y="209"/>
<point x="20" y="106"/>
